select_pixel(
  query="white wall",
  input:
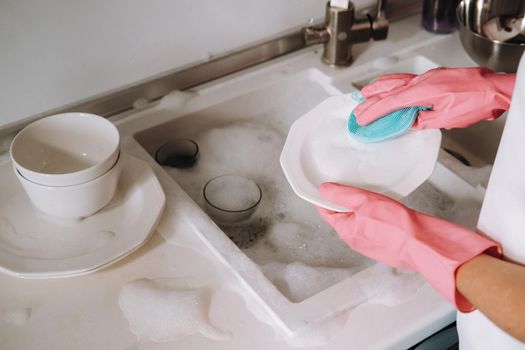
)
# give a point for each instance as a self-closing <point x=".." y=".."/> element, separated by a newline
<point x="56" y="52"/>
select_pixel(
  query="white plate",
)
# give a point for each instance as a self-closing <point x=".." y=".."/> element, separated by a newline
<point x="319" y="149"/>
<point x="34" y="245"/>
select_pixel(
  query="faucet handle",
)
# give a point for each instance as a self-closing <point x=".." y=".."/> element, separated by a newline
<point x="316" y="35"/>
<point x="342" y="29"/>
<point x="380" y="22"/>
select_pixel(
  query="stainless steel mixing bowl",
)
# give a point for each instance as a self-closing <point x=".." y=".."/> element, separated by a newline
<point x="499" y="56"/>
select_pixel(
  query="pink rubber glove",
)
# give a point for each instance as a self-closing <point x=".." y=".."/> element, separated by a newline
<point x="459" y="97"/>
<point x="387" y="231"/>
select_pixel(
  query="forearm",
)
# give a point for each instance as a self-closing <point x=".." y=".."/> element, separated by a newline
<point x="497" y="289"/>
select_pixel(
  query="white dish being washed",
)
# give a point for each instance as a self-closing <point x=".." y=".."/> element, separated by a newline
<point x="66" y="149"/>
<point x="35" y="245"/>
<point x="320" y="149"/>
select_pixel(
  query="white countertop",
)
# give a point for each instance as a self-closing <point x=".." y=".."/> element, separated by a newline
<point x="84" y="313"/>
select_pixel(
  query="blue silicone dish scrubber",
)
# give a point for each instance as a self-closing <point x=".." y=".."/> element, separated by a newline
<point x="392" y="125"/>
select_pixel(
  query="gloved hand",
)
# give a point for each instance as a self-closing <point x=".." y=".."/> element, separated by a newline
<point x="389" y="232"/>
<point x="459" y="97"/>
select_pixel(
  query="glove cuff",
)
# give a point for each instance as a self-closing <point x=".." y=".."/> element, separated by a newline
<point x="503" y="84"/>
<point x="438" y="262"/>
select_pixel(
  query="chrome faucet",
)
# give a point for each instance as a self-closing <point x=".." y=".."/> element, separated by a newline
<point x="342" y="29"/>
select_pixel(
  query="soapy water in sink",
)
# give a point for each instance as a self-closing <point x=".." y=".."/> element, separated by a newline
<point x="285" y="229"/>
<point x="237" y="232"/>
<point x="294" y="248"/>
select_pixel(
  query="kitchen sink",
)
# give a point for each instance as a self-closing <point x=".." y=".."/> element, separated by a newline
<point x="244" y="136"/>
<point x="289" y="259"/>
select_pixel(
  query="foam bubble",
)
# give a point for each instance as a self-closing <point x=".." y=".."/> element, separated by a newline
<point x="176" y="99"/>
<point x="232" y="193"/>
<point x="161" y="310"/>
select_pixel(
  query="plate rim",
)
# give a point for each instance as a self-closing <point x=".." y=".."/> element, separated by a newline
<point x="156" y="203"/>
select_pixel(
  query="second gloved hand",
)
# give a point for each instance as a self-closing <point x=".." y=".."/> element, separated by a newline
<point x="459" y="97"/>
<point x="389" y="232"/>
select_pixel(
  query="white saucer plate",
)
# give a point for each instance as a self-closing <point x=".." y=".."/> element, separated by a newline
<point x="35" y="245"/>
<point x="320" y="149"/>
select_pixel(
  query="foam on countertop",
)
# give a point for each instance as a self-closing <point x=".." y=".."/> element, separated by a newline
<point x="388" y="286"/>
<point x="164" y="310"/>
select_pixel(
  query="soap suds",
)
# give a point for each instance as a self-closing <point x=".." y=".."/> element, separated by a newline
<point x="164" y="310"/>
<point x="285" y="236"/>
<point x="299" y="253"/>
<point x="284" y="229"/>
<point x="232" y="193"/>
<point x="389" y="286"/>
<point x="176" y="99"/>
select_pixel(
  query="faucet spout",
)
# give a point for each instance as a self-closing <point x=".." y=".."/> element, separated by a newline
<point x="342" y="29"/>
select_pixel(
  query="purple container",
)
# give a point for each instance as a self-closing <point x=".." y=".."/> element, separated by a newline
<point x="439" y="16"/>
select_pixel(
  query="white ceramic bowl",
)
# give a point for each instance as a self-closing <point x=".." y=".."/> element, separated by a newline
<point x="76" y="201"/>
<point x="66" y="149"/>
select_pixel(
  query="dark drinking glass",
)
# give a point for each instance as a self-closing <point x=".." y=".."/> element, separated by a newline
<point x="439" y="16"/>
